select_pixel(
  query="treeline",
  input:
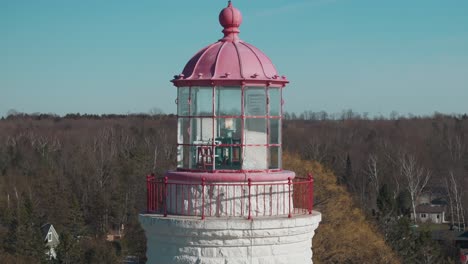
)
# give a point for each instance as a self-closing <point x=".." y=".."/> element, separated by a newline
<point x="389" y="164"/>
<point x="85" y="174"/>
<point x="349" y="114"/>
<point x="367" y="154"/>
<point x="12" y="115"/>
<point x="309" y="115"/>
<point x="86" y="177"/>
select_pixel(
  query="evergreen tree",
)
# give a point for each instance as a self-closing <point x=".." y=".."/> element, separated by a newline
<point x="414" y="245"/>
<point x="404" y="203"/>
<point x="29" y="238"/>
<point x="134" y="241"/>
<point x="10" y="241"/>
<point x="68" y="250"/>
<point x="75" y="219"/>
<point x="385" y="202"/>
<point x="348" y="171"/>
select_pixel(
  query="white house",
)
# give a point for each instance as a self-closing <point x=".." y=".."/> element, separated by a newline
<point x="431" y="213"/>
<point x="51" y="238"/>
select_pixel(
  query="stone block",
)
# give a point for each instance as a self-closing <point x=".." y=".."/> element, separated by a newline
<point x="191" y="251"/>
<point x="237" y="242"/>
<point x="211" y="261"/>
<point x="230" y="252"/>
<point x="208" y="252"/>
<point x="261" y="251"/>
<point x="183" y="260"/>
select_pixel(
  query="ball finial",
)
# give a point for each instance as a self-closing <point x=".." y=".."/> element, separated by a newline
<point x="231" y="19"/>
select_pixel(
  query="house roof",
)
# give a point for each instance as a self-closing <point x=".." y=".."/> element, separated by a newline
<point x="49" y="228"/>
<point x="45" y="229"/>
<point x="463" y="236"/>
<point x="450" y="235"/>
<point x="430" y="208"/>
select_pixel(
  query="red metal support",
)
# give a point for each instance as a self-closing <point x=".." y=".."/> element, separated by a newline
<point x="150" y="192"/>
<point x="203" y="198"/>
<point x="165" y="196"/>
<point x="289" y="197"/>
<point x="250" y="203"/>
<point x="311" y="193"/>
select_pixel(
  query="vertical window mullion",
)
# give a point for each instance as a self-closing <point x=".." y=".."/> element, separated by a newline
<point x="267" y="105"/>
<point x="242" y="156"/>
<point x="280" y="131"/>
<point x="189" y="129"/>
<point x="213" y="114"/>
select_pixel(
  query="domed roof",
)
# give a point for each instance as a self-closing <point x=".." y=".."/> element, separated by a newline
<point x="230" y="61"/>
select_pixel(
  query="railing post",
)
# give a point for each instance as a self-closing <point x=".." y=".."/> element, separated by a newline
<point x="148" y="195"/>
<point x="311" y="193"/>
<point x="250" y="185"/>
<point x="150" y="192"/>
<point x="203" y="198"/>
<point x="289" y="197"/>
<point x="165" y="196"/>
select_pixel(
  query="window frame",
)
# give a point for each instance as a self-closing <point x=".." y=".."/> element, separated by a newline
<point x="216" y="117"/>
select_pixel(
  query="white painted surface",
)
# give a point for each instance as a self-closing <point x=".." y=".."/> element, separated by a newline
<point x="269" y="240"/>
<point x="255" y="158"/>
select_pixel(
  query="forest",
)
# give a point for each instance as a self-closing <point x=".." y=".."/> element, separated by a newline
<point x="85" y="174"/>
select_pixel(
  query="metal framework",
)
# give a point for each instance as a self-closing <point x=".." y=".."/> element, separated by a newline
<point x="186" y="116"/>
<point x="246" y="200"/>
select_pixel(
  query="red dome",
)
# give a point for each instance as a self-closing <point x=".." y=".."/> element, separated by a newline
<point x="230" y="61"/>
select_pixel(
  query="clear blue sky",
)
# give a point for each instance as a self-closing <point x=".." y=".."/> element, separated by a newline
<point x="117" y="56"/>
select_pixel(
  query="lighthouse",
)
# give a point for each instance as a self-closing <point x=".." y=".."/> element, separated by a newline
<point x="229" y="199"/>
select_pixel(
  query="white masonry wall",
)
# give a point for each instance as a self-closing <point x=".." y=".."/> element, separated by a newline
<point x="184" y="240"/>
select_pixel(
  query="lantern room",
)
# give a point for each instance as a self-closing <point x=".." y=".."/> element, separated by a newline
<point x="229" y="106"/>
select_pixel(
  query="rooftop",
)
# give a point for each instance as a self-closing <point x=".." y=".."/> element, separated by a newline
<point x="229" y="61"/>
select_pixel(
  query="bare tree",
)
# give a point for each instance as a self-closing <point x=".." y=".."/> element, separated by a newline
<point x="373" y="172"/>
<point x="416" y="178"/>
<point x="448" y="186"/>
<point x="316" y="150"/>
<point x="455" y="193"/>
<point x="389" y="155"/>
<point x="155" y="159"/>
<point x="455" y="147"/>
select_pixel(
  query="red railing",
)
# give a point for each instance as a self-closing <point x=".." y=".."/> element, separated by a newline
<point x="250" y="199"/>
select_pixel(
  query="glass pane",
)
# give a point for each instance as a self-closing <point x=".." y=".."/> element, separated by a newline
<point x="192" y="157"/>
<point x="274" y="160"/>
<point x="201" y="101"/>
<point x="255" y="101"/>
<point x="275" y="131"/>
<point x="183" y="131"/>
<point x="255" y="131"/>
<point x="201" y="131"/>
<point x="183" y="101"/>
<point x="228" y="128"/>
<point x="227" y="155"/>
<point x="228" y="101"/>
<point x="203" y="158"/>
<point x="255" y="158"/>
<point x="183" y="157"/>
<point x="274" y="101"/>
<point x="180" y="156"/>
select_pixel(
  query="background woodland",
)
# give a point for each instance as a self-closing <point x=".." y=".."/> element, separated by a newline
<point x="85" y="174"/>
